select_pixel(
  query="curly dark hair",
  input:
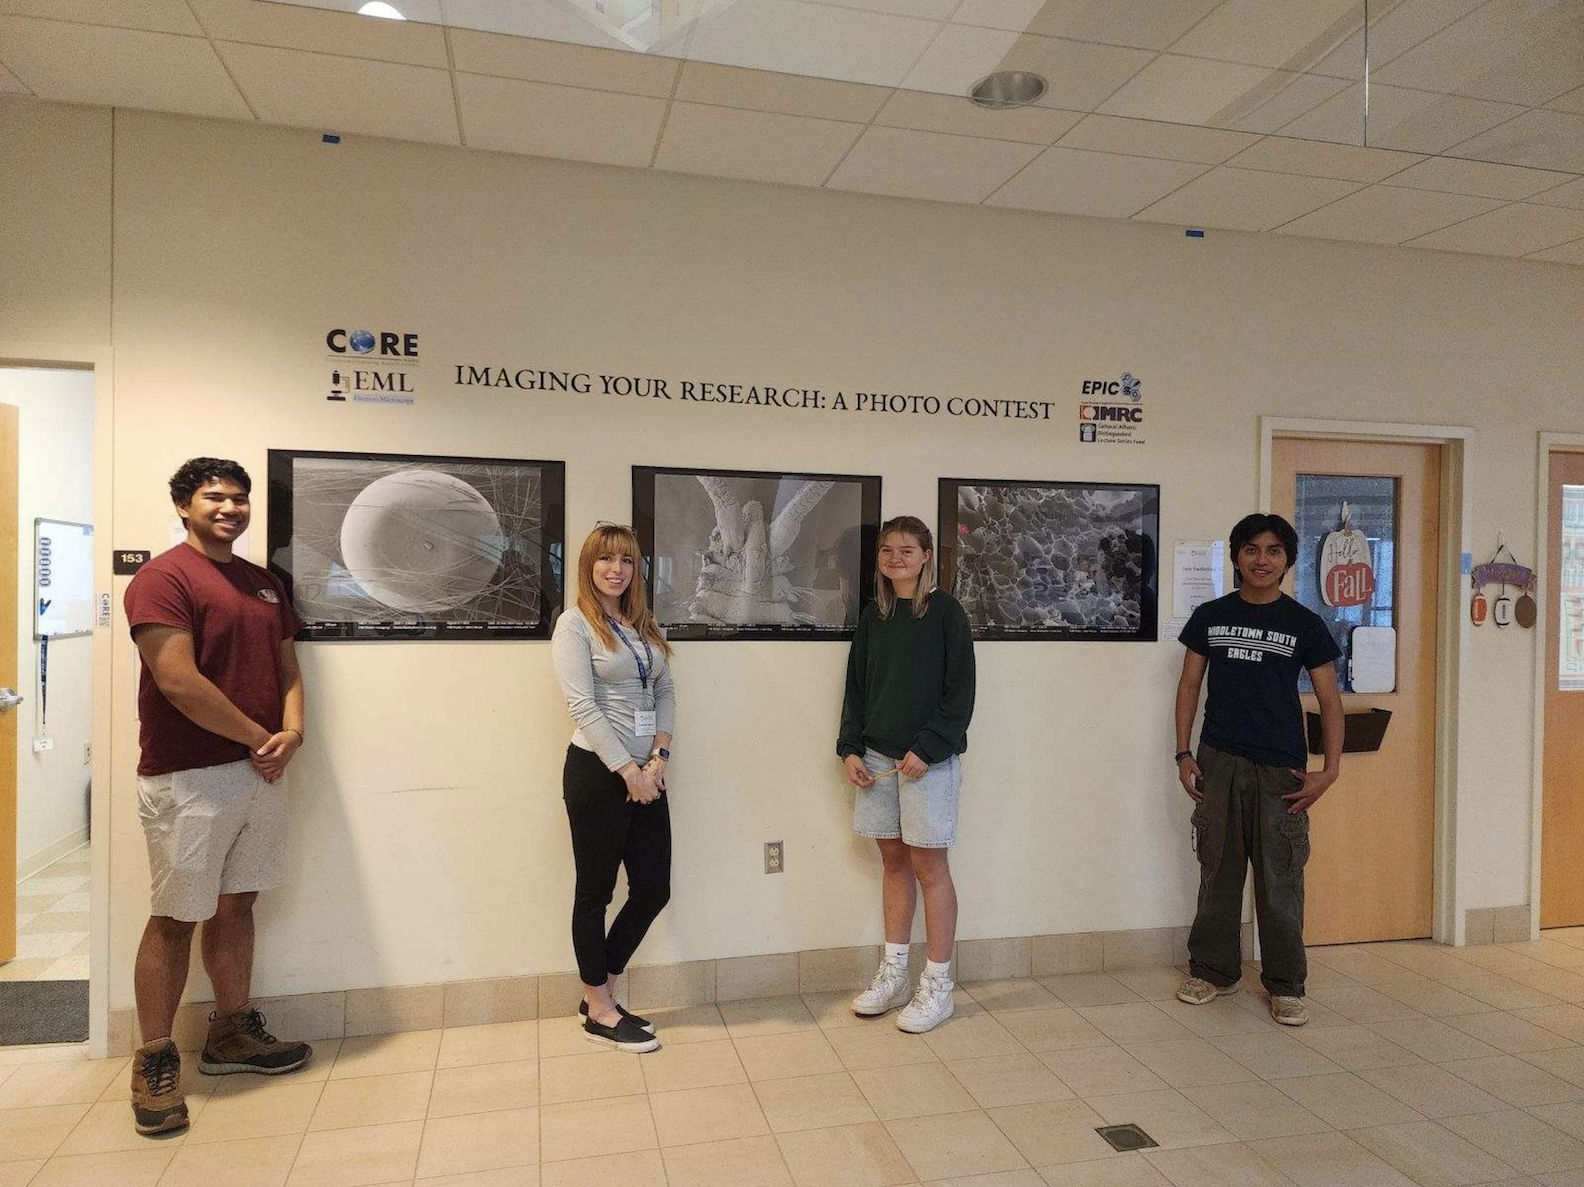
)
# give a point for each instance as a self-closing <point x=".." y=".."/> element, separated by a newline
<point x="1253" y="525"/>
<point x="199" y="470"/>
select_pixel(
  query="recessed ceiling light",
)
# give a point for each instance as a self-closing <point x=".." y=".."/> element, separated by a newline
<point x="380" y="8"/>
<point x="1008" y="88"/>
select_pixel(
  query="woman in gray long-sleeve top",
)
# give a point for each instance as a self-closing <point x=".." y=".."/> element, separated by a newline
<point x="613" y="662"/>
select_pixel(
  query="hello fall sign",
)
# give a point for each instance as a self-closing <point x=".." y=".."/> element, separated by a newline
<point x="1346" y="576"/>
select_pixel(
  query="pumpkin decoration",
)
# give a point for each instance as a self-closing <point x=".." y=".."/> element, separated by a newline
<point x="1347" y="578"/>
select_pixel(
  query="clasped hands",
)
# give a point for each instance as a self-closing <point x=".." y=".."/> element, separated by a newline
<point x="645" y="784"/>
<point x="270" y="759"/>
<point x="911" y="767"/>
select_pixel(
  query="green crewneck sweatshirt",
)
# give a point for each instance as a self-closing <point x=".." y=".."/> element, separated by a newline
<point x="910" y="682"/>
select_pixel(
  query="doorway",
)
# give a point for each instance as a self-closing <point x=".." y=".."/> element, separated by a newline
<point x="1372" y="874"/>
<point x="1562" y="756"/>
<point x="47" y="619"/>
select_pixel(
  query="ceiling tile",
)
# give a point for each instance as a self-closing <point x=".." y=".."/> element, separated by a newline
<point x="119" y="68"/>
<point x="952" y="113"/>
<point x="1507" y="51"/>
<point x="1411" y="121"/>
<point x="815" y="39"/>
<point x="1100" y="185"/>
<point x="1381" y="214"/>
<point x="157" y="16"/>
<point x="1568" y="253"/>
<point x="1571" y="195"/>
<point x="11" y="84"/>
<point x="1289" y="34"/>
<point x="1572" y="101"/>
<point x="1079" y="76"/>
<point x="547" y="21"/>
<point x="1514" y="230"/>
<point x="288" y="26"/>
<point x="350" y="95"/>
<point x="1295" y="95"/>
<point x="1543" y="139"/>
<point x="726" y="142"/>
<point x="789" y="94"/>
<point x="529" y="58"/>
<point x="543" y="120"/>
<point x="1191" y="91"/>
<point x="959" y="57"/>
<point x="929" y="165"/>
<point x="1313" y="158"/>
<point x="1149" y="138"/>
<point x="1243" y="200"/>
<point x="1393" y="33"/>
<point x="998" y="14"/>
<point x="1454" y="176"/>
<point x="1145" y="24"/>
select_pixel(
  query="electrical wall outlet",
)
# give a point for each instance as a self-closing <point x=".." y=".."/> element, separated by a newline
<point x="40" y="745"/>
<point x="775" y="857"/>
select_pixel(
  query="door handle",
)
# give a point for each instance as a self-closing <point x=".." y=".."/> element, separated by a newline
<point x="9" y="700"/>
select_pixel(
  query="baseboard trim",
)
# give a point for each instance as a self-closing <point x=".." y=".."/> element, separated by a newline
<point x="1497" y="925"/>
<point x="50" y="854"/>
<point x="354" y="1013"/>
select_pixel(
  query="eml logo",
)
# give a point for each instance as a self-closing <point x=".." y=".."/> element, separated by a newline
<point x="384" y="344"/>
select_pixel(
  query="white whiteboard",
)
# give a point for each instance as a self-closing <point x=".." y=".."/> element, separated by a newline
<point x="63" y="602"/>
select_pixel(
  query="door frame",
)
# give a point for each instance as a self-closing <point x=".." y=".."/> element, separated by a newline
<point x="1452" y="630"/>
<point x="100" y="360"/>
<point x="1548" y="443"/>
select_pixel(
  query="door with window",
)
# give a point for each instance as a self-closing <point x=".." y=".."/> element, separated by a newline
<point x="9" y="421"/>
<point x="1368" y="516"/>
<point x="1562" y="819"/>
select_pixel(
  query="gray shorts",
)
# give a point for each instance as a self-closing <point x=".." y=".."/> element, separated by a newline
<point x="211" y="831"/>
<point x="922" y="811"/>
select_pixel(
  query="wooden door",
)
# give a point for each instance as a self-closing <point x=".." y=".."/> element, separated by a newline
<point x="1562" y="819"/>
<point x="1371" y="873"/>
<point x="9" y="556"/>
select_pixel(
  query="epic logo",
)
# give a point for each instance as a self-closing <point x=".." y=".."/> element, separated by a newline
<point x="367" y="342"/>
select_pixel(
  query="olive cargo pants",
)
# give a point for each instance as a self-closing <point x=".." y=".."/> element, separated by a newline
<point x="1243" y="821"/>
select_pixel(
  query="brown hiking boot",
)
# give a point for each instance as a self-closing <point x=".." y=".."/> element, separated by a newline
<point x="239" y="1043"/>
<point x="158" y="1105"/>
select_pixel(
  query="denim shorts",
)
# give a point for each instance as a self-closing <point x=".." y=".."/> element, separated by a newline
<point x="922" y="811"/>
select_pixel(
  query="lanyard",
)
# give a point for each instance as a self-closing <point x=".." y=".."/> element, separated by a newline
<point x="643" y="668"/>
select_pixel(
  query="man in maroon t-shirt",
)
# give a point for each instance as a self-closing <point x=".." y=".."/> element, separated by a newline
<point x="220" y="700"/>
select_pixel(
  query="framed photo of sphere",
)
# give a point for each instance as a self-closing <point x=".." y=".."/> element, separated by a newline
<point x="754" y="554"/>
<point x="409" y="546"/>
<point x="1052" y="560"/>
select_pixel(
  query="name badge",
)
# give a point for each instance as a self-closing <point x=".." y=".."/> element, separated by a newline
<point x="644" y="723"/>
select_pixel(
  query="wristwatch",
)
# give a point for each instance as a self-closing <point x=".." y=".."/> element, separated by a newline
<point x="1182" y="754"/>
<point x="661" y="753"/>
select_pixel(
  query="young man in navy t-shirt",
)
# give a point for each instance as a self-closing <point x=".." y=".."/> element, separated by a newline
<point x="1249" y="780"/>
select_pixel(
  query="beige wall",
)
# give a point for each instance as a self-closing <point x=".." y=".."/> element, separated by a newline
<point x="429" y="841"/>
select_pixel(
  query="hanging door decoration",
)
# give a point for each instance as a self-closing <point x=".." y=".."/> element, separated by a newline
<point x="1347" y="578"/>
<point x="1505" y="610"/>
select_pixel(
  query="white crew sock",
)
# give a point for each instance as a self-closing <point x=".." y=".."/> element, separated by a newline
<point x="896" y="953"/>
<point x="940" y="970"/>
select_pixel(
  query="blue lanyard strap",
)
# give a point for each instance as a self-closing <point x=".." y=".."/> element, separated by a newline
<point x="643" y="668"/>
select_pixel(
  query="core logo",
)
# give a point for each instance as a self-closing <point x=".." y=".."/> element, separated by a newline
<point x="385" y="343"/>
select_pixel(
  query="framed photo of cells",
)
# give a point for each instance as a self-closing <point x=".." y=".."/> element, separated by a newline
<point x="411" y="546"/>
<point x="1052" y="560"/>
<point x="754" y="554"/>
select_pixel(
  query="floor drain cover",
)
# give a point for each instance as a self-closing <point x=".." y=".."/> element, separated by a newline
<point x="1126" y="1137"/>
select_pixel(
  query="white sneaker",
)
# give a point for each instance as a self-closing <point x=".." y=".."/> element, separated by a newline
<point x="887" y="991"/>
<point x="931" y="1005"/>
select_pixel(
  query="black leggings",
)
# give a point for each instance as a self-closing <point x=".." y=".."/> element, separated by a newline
<point x="608" y="831"/>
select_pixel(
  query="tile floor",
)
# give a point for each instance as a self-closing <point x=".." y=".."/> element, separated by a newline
<point x="52" y="925"/>
<point x="1422" y="1064"/>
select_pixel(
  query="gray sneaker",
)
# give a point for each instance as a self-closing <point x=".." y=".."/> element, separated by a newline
<point x="1289" y="1011"/>
<point x="1196" y="991"/>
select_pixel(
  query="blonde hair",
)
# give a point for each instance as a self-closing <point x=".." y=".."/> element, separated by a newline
<point x="608" y="539"/>
<point x="885" y="592"/>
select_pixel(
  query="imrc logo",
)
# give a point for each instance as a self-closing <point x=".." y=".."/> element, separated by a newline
<point x="384" y="344"/>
